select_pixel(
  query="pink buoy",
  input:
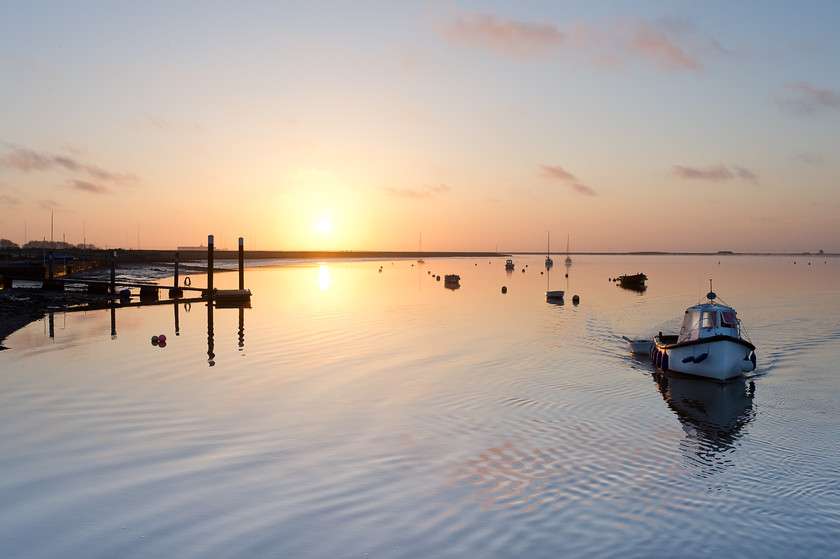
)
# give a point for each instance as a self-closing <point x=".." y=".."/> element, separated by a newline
<point x="162" y="338"/>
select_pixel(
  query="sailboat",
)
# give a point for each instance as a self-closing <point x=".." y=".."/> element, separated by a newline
<point x="568" y="258"/>
<point x="548" y="261"/>
<point x="552" y="296"/>
<point x="420" y="250"/>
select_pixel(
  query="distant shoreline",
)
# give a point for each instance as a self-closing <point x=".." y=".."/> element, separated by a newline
<point x="169" y="255"/>
<point x="164" y="256"/>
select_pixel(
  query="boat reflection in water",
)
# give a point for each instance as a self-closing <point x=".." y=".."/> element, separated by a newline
<point x="713" y="415"/>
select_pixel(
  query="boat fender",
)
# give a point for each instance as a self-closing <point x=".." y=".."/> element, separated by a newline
<point x="753" y="359"/>
<point x="665" y="362"/>
<point x="659" y="359"/>
<point x="652" y="351"/>
<point x="688" y="359"/>
<point x="187" y="281"/>
<point x="701" y="357"/>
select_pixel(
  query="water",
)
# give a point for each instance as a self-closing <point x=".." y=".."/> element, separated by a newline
<point x="353" y="412"/>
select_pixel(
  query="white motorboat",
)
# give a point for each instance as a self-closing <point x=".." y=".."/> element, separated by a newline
<point x="710" y="344"/>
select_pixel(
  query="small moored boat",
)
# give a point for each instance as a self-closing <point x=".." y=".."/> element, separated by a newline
<point x="710" y="344"/>
<point x="555" y="295"/>
<point x="509" y="265"/>
<point x="639" y="346"/>
<point x="633" y="281"/>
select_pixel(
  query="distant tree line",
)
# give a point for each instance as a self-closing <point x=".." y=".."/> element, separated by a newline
<point x="6" y="244"/>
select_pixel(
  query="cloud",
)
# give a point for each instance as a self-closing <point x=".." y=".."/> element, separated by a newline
<point x="558" y="173"/>
<point x="7" y="200"/>
<point x="805" y="99"/>
<point x="745" y="173"/>
<point x="425" y="191"/>
<point x="164" y="125"/>
<point x="49" y="205"/>
<point x="27" y="160"/>
<point x="808" y="157"/>
<point x="88" y="187"/>
<point x="716" y="173"/>
<point x="671" y="45"/>
<point x="515" y="39"/>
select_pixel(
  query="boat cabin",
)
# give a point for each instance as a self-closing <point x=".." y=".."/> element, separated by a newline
<point x="707" y="320"/>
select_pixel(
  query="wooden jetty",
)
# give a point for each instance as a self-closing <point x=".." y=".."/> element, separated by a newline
<point x="148" y="291"/>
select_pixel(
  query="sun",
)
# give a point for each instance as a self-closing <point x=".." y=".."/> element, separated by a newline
<point x="324" y="225"/>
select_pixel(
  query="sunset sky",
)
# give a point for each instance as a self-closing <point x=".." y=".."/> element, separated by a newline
<point x="656" y="125"/>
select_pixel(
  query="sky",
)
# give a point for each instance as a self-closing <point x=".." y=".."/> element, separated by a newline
<point x="448" y="126"/>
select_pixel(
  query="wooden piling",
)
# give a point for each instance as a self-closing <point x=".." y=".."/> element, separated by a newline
<point x="241" y="263"/>
<point x="209" y="265"/>
<point x="176" y="291"/>
<point x="113" y="287"/>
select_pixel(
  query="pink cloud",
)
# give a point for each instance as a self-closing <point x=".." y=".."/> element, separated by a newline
<point x="669" y="45"/>
<point x="511" y="38"/>
<point x="425" y="191"/>
<point x="717" y="173"/>
<point x="558" y="173"/>
<point x="88" y="187"/>
<point x="27" y="160"/>
<point x="807" y="99"/>
<point x="712" y="172"/>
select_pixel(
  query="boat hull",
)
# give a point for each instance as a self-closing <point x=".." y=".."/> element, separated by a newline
<point x="554" y="295"/>
<point x="717" y="357"/>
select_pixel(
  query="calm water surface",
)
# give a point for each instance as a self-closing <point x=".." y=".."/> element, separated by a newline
<point x="353" y="412"/>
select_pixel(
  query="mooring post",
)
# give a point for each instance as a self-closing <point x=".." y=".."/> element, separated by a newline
<point x="114" y="272"/>
<point x="51" y="269"/>
<point x="176" y="270"/>
<point x="241" y="263"/>
<point x="209" y="265"/>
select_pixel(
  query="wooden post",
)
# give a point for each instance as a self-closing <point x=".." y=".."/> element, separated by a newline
<point x="51" y="270"/>
<point x="114" y="272"/>
<point x="176" y="291"/>
<point x="209" y="265"/>
<point x="241" y="263"/>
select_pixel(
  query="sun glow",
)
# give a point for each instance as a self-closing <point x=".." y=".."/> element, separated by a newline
<point x="324" y="225"/>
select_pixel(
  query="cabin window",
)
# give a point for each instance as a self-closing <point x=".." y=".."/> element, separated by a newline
<point x="691" y="323"/>
<point x="710" y="319"/>
<point x="728" y="319"/>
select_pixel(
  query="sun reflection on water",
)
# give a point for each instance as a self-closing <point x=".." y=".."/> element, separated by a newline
<point x="324" y="277"/>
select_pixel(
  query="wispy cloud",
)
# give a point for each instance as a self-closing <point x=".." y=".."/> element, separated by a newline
<point x="511" y="38"/>
<point x="88" y="187"/>
<point x="7" y="200"/>
<point x="669" y="44"/>
<point x="558" y="173"/>
<point x="165" y="125"/>
<point x="807" y="157"/>
<point x="49" y="205"/>
<point x="27" y="160"/>
<point x="716" y="173"/>
<point x="804" y="99"/>
<point x="425" y="191"/>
